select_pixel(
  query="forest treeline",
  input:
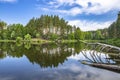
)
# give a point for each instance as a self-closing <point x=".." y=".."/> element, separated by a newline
<point x="56" y="28"/>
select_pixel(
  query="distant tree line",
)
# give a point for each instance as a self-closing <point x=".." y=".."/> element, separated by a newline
<point x="114" y="29"/>
<point x="45" y="27"/>
<point x="56" y="28"/>
<point x="112" y="32"/>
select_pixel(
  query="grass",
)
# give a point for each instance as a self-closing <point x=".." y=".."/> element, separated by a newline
<point x="68" y="41"/>
<point x="115" y="42"/>
<point x="41" y="41"/>
<point x="7" y="40"/>
<point x="32" y="41"/>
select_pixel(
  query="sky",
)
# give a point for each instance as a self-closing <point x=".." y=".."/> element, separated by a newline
<point x="86" y="14"/>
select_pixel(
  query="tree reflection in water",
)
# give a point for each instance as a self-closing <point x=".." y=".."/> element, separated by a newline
<point x="46" y="55"/>
<point x="52" y="55"/>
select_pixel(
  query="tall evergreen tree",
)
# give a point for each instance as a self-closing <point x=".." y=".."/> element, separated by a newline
<point x="78" y="34"/>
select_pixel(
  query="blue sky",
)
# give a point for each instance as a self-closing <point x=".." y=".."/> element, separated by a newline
<point x="86" y="14"/>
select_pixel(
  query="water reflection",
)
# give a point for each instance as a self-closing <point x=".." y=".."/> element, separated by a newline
<point x="51" y="55"/>
<point x="46" y="55"/>
<point x="55" y="62"/>
<point x="101" y="56"/>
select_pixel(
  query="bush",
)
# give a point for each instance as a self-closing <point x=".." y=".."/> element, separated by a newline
<point x="27" y="37"/>
<point x="53" y="36"/>
<point x="19" y="39"/>
<point x="71" y="36"/>
<point x="27" y="45"/>
<point x="37" y="35"/>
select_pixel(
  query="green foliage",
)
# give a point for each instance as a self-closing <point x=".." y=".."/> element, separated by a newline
<point x="78" y="34"/>
<point x="4" y="34"/>
<point x="53" y="27"/>
<point x="115" y="42"/>
<point x="47" y="25"/>
<point x="88" y="35"/>
<point x="53" y="36"/>
<point x="2" y="25"/>
<point x="118" y="27"/>
<point x="19" y="43"/>
<point x="112" y="32"/>
<point x="31" y="27"/>
<point x="114" y="29"/>
<point x="13" y="35"/>
<point x="98" y="35"/>
<point x="71" y="36"/>
<point x="79" y="47"/>
<point x="15" y="30"/>
<point x="19" y="39"/>
<point x="27" y="37"/>
<point x="38" y="35"/>
<point x="27" y="45"/>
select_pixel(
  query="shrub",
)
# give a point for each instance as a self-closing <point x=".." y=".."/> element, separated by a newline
<point x="27" y="37"/>
<point x="19" y="39"/>
<point x="53" y="36"/>
<point x="37" y="35"/>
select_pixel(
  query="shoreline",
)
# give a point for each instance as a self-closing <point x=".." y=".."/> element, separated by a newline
<point x="38" y="41"/>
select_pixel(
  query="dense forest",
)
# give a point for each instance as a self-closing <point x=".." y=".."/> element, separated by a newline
<point x="45" y="27"/>
<point x="56" y="28"/>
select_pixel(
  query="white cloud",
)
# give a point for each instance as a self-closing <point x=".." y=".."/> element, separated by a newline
<point x="76" y="10"/>
<point x="90" y="25"/>
<point x="72" y="11"/>
<point x="62" y="2"/>
<point x="83" y="6"/>
<point x="87" y="6"/>
<point x="102" y="6"/>
<point x="9" y="1"/>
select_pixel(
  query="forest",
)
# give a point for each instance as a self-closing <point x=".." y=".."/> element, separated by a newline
<point x="55" y="28"/>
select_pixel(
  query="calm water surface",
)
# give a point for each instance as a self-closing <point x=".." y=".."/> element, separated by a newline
<point x="55" y="62"/>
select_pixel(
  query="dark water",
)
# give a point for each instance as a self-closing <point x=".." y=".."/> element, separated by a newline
<point x="56" y="62"/>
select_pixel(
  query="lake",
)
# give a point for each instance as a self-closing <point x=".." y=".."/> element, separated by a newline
<point x="57" y="62"/>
